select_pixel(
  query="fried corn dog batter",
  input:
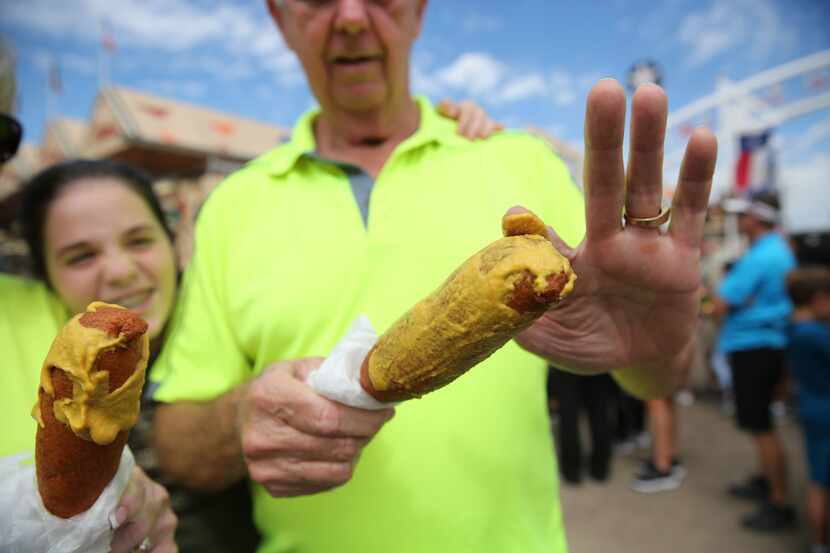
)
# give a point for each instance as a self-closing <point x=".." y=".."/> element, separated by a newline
<point x="490" y="298"/>
<point x="88" y="400"/>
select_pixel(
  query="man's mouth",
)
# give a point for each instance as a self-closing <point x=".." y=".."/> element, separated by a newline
<point x="354" y="60"/>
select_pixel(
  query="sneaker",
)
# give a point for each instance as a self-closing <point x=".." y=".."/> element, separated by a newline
<point x="678" y="470"/>
<point x="684" y="398"/>
<point x="649" y="479"/>
<point x="769" y="518"/>
<point x="755" y="488"/>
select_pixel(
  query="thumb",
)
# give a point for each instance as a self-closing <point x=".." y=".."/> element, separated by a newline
<point x="301" y="368"/>
<point x="560" y="244"/>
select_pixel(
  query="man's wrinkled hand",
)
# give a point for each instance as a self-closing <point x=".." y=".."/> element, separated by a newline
<point x="296" y="442"/>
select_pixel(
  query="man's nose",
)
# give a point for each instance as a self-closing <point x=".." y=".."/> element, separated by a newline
<point x="351" y="16"/>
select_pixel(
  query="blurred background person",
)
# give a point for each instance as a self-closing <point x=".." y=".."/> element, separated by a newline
<point x="754" y="308"/>
<point x="808" y="355"/>
<point x="662" y="471"/>
<point x="574" y="394"/>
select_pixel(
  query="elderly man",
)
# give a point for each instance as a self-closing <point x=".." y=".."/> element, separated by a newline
<point x="370" y="206"/>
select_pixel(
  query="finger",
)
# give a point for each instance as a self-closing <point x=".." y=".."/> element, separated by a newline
<point x="476" y="129"/>
<point x="334" y="420"/>
<point x="466" y="120"/>
<point x="448" y="108"/>
<point x="156" y="500"/>
<point x="490" y="129"/>
<point x="131" y="500"/>
<point x="644" y="188"/>
<point x="130" y="536"/>
<point x="604" y="175"/>
<point x="281" y="440"/>
<point x="691" y="198"/>
<point x="294" y="478"/>
<point x="560" y="244"/>
<point x="290" y="399"/>
<point x="163" y="534"/>
<point x="301" y="368"/>
<point x="137" y="529"/>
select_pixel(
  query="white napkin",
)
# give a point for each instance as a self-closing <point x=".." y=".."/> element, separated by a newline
<point x="27" y="527"/>
<point x="338" y="378"/>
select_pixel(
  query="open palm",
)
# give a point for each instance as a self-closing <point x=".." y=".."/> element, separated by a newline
<point x="634" y="307"/>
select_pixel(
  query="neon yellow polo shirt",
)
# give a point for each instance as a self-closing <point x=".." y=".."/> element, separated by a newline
<point x="283" y="266"/>
<point x="30" y="317"/>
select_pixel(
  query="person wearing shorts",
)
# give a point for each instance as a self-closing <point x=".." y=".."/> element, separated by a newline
<point x="754" y="309"/>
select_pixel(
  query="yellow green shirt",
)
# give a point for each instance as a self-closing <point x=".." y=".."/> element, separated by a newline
<point x="30" y="317"/>
<point x="284" y="264"/>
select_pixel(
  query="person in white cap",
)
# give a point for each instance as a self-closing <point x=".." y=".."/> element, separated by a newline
<point x="754" y="309"/>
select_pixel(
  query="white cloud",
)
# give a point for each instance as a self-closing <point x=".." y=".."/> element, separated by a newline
<point x="473" y="73"/>
<point x="423" y="82"/>
<point x="483" y="77"/>
<point x="524" y="87"/>
<point x="164" y="24"/>
<point x="802" y="184"/>
<point x="752" y="26"/>
<point x="175" y="26"/>
<point x="563" y="88"/>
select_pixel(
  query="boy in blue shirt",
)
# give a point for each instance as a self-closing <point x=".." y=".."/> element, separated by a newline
<point x="809" y="361"/>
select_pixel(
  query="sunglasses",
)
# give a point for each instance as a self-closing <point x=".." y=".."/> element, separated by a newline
<point x="10" y="135"/>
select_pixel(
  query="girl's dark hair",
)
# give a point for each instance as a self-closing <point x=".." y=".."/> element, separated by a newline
<point x="41" y="190"/>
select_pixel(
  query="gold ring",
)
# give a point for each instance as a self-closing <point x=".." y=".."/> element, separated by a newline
<point x="648" y="222"/>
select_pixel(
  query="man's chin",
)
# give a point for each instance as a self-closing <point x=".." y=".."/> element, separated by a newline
<point x="360" y="101"/>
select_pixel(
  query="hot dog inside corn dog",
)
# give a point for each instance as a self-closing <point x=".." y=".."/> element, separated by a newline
<point x="489" y="299"/>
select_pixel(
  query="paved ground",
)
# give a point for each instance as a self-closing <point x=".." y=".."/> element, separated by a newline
<point x="697" y="518"/>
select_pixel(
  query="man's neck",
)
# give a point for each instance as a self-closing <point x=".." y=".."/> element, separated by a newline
<point x="759" y="233"/>
<point x="366" y="139"/>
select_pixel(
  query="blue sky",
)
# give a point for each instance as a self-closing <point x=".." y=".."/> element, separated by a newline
<point x="526" y="61"/>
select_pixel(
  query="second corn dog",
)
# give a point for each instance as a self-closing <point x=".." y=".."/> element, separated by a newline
<point x="490" y="298"/>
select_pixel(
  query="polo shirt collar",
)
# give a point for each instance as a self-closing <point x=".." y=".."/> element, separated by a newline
<point x="433" y="128"/>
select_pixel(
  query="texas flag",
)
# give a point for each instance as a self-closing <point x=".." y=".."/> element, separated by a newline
<point x="755" y="170"/>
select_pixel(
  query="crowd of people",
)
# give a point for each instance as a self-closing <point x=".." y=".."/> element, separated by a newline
<point x="375" y="199"/>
